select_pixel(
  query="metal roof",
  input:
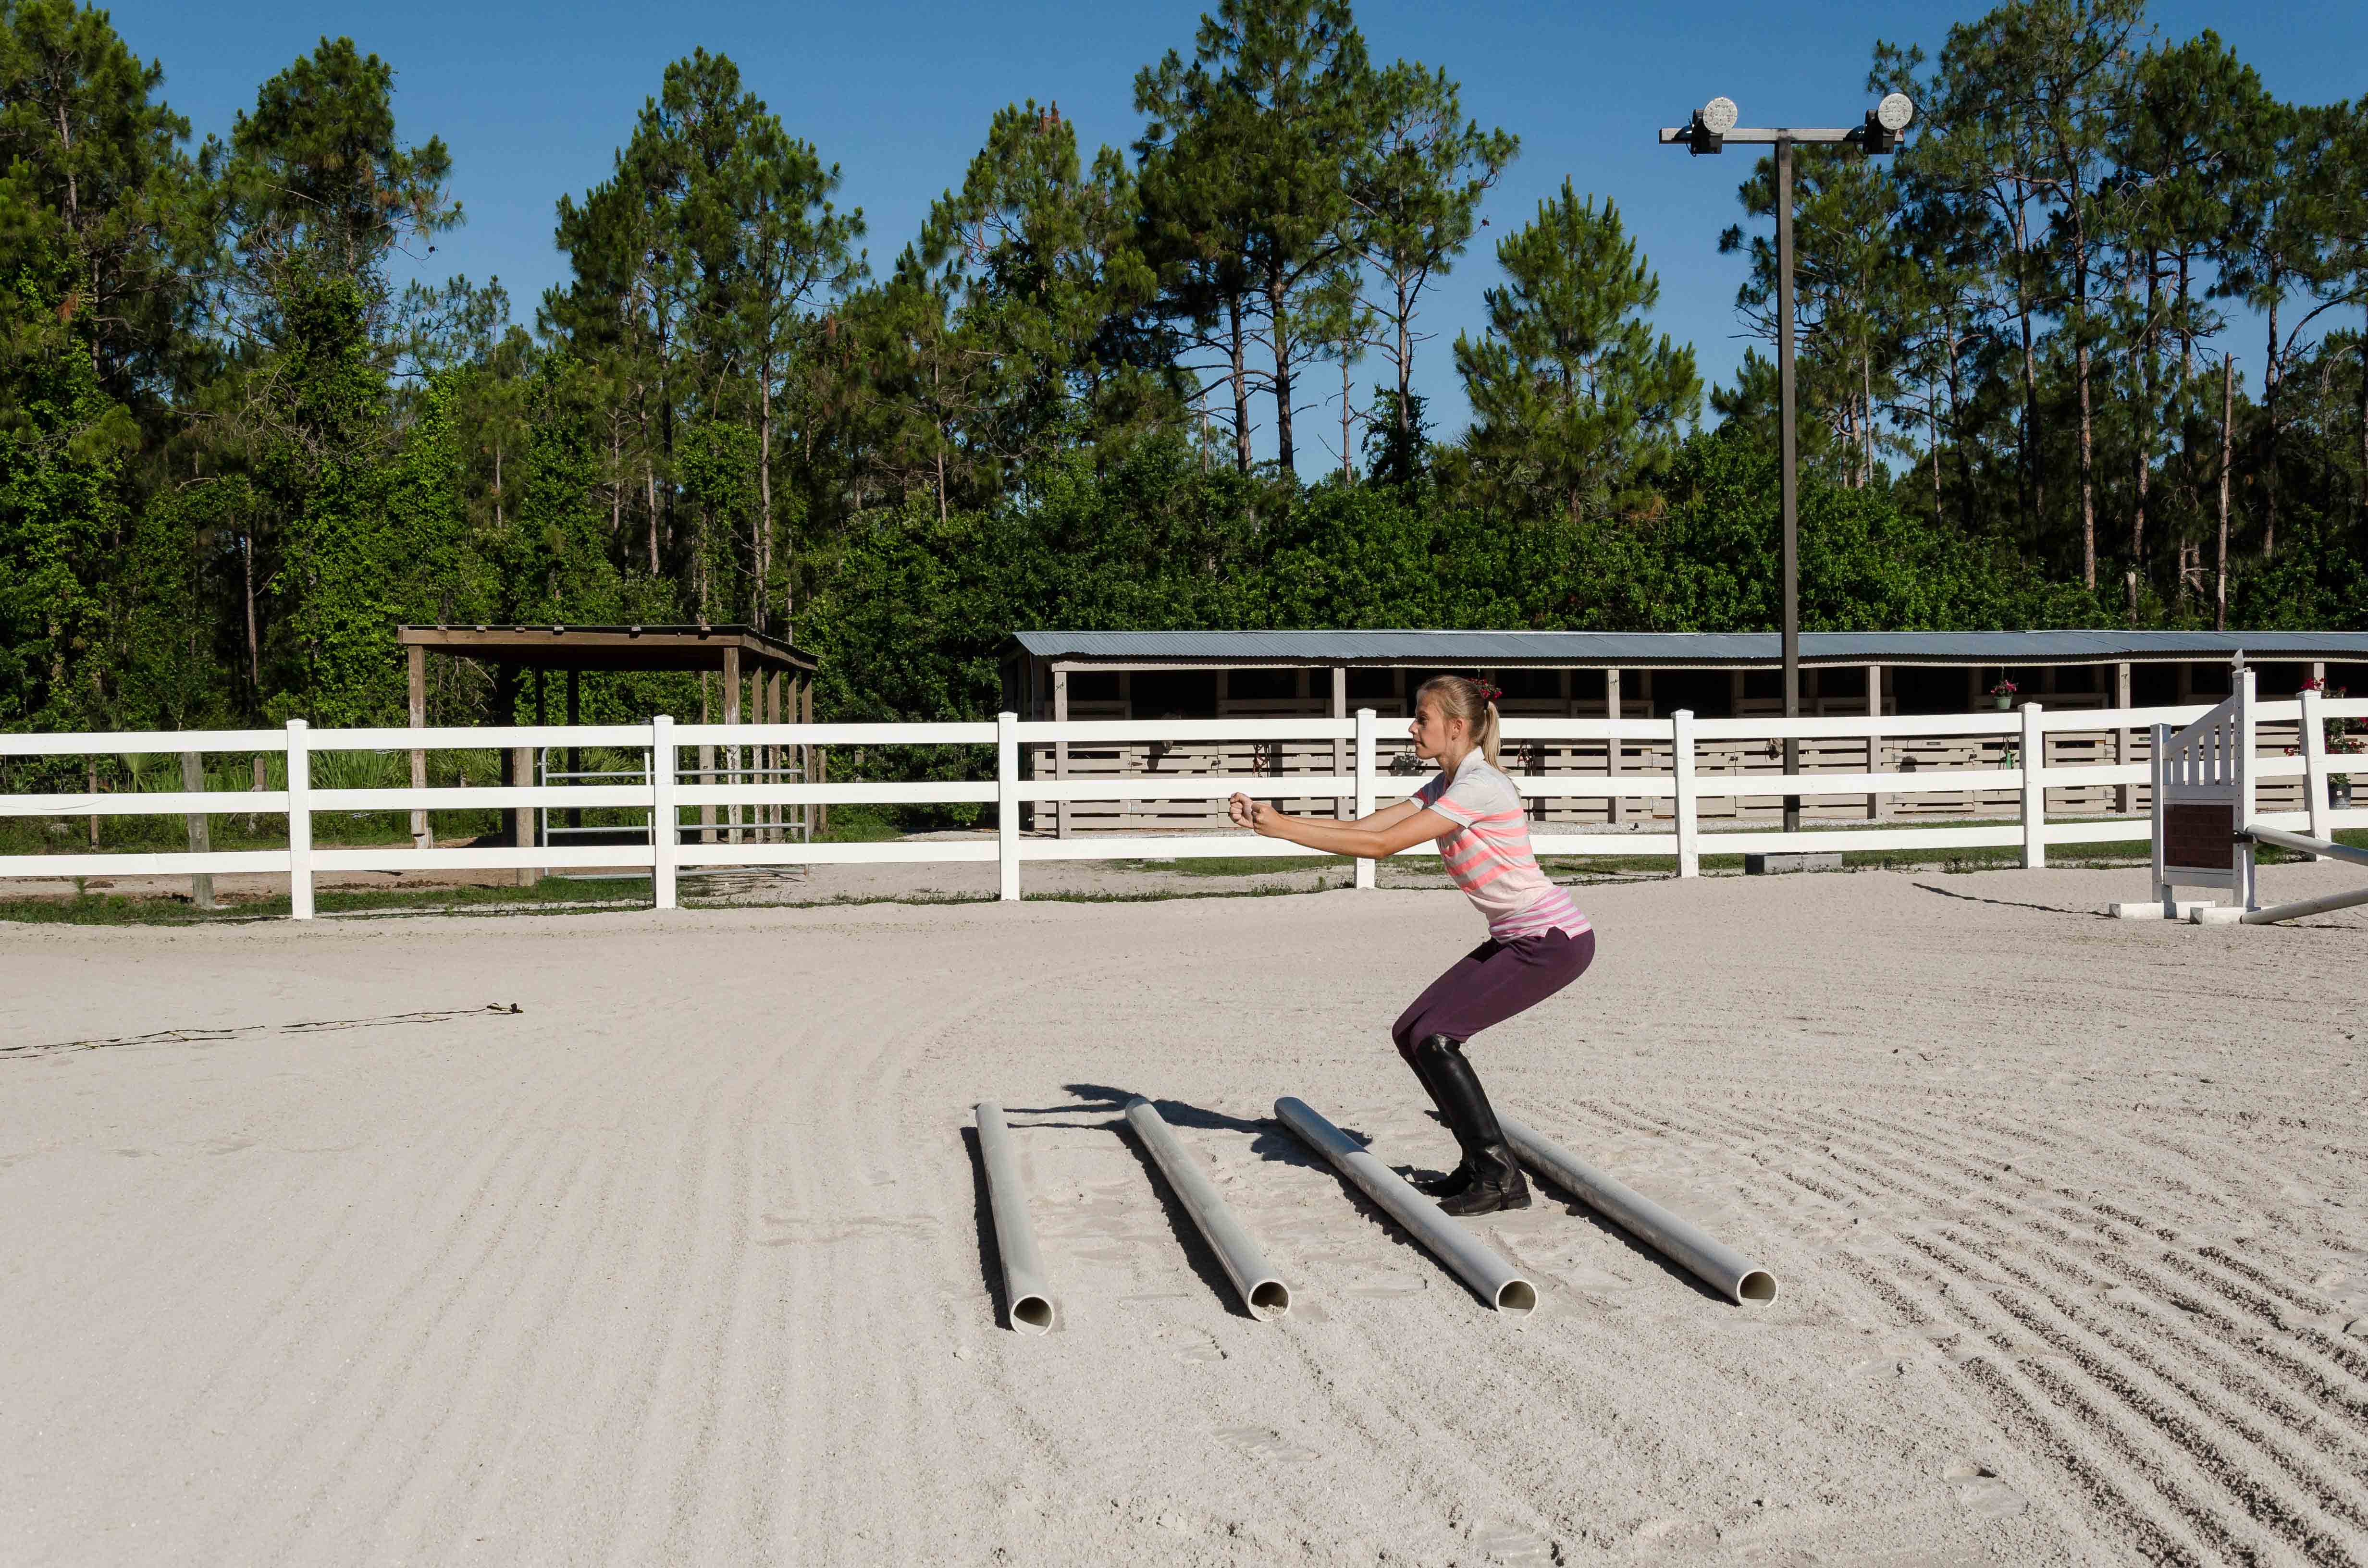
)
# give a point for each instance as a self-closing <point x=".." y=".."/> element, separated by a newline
<point x="1671" y="650"/>
<point x="649" y="647"/>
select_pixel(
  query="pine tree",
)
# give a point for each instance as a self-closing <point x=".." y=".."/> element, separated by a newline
<point x="1415" y="185"/>
<point x="1572" y="395"/>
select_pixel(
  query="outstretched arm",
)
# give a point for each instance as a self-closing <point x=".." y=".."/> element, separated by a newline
<point x="1384" y="833"/>
<point x="1388" y="816"/>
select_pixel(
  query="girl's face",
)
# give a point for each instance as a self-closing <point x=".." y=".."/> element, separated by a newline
<point x="1433" y="733"/>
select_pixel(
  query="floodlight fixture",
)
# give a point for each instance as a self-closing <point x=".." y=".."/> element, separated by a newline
<point x="1709" y="130"/>
<point x="1706" y="131"/>
<point x="1883" y="124"/>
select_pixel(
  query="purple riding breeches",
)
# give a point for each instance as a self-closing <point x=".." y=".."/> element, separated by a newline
<point x="1491" y="983"/>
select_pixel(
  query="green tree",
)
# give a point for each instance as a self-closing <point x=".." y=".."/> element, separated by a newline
<point x="1042" y="255"/>
<point x="701" y="270"/>
<point x="2170" y="212"/>
<point x="316" y="191"/>
<point x="1274" y="106"/>
<point x="88" y="141"/>
<point x="99" y="225"/>
<point x="324" y="421"/>
<point x="316" y="180"/>
<point x="1193" y="229"/>
<point x="1415" y="181"/>
<point x="2292" y="186"/>
<point x="615" y="312"/>
<point x="1572" y="395"/>
<point x="927" y="373"/>
<point x="2026" y="108"/>
<point x="2349" y="272"/>
<point x="1854" y="287"/>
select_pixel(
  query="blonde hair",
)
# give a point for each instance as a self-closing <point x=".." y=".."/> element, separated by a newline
<point x="1459" y="697"/>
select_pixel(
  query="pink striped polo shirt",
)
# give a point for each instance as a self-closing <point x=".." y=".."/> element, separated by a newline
<point x="1488" y="853"/>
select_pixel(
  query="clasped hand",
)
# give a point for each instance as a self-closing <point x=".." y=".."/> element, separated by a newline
<point x="1259" y="815"/>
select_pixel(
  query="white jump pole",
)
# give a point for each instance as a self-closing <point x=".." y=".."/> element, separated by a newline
<point x="1024" y="1294"/>
<point x="1262" y="1292"/>
<point x="1477" y="1266"/>
<point x="2325" y="848"/>
<point x="2281" y="912"/>
<point x="1679" y="1240"/>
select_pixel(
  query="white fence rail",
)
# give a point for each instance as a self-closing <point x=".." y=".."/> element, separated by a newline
<point x="1683" y="787"/>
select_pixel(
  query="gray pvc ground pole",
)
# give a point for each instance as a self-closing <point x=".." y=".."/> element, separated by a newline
<point x="1498" y="1282"/>
<point x="1262" y="1292"/>
<point x="1025" y="1296"/>
<point x="1680" y="1241"/>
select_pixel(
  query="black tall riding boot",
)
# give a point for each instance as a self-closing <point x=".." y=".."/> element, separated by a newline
<point x="1456" y="1181"/>
<point x="1497" y="1181"/>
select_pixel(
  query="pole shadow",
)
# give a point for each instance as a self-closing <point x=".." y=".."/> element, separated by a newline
<point x="990" y="1246"/>
<point x="2010" y="902"/>
<point x="1577" y="1209"/>
<point x="1198" y="1253"/>
<point x="1270" y="1140"/>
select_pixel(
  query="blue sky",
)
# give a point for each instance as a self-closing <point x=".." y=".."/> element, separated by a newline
<point x="534" y="101"/>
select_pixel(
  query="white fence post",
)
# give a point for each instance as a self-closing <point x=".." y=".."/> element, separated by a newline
<point x="2248" y="744"/>
<point x="1681" y="737"/>
<point x="665" y="835"/>
<point x="2159" y="768"/>
<point x="1365" y="869"/>
<point x="1006" y="806"/>
<point x="2034" y="787"/>
<point x="2314" y="763"/>
<point x="299" y="821"/>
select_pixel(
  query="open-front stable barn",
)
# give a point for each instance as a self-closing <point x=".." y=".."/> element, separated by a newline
<point x="760" y="679"/>
<point x="1208" y="675"/>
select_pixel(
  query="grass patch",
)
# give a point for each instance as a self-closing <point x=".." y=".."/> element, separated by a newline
<point x="1233" y="865"/>
<point x="550" y="895"/>
<point x="116" y="909"/>
<point x="859" y="824"/>
<point x="1162" y="895"/>
<point x="842" y="900"/>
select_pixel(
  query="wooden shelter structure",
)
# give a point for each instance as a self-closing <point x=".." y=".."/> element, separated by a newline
<point x="1207" y="675"/>
<point x="764" y="680"/>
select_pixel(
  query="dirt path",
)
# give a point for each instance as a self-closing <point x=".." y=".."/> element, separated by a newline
<point x="683" y="1261"/>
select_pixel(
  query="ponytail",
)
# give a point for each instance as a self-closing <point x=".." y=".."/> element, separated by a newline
<point x="1475" y="702"/>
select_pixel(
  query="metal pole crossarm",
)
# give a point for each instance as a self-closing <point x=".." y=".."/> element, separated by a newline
<point x="1766" y="136"/>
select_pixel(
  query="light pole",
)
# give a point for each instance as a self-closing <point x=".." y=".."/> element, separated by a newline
<point x="1712" y="127"/>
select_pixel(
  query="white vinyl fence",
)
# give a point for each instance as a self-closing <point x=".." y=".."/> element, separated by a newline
<point x="1676" y="796"/>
